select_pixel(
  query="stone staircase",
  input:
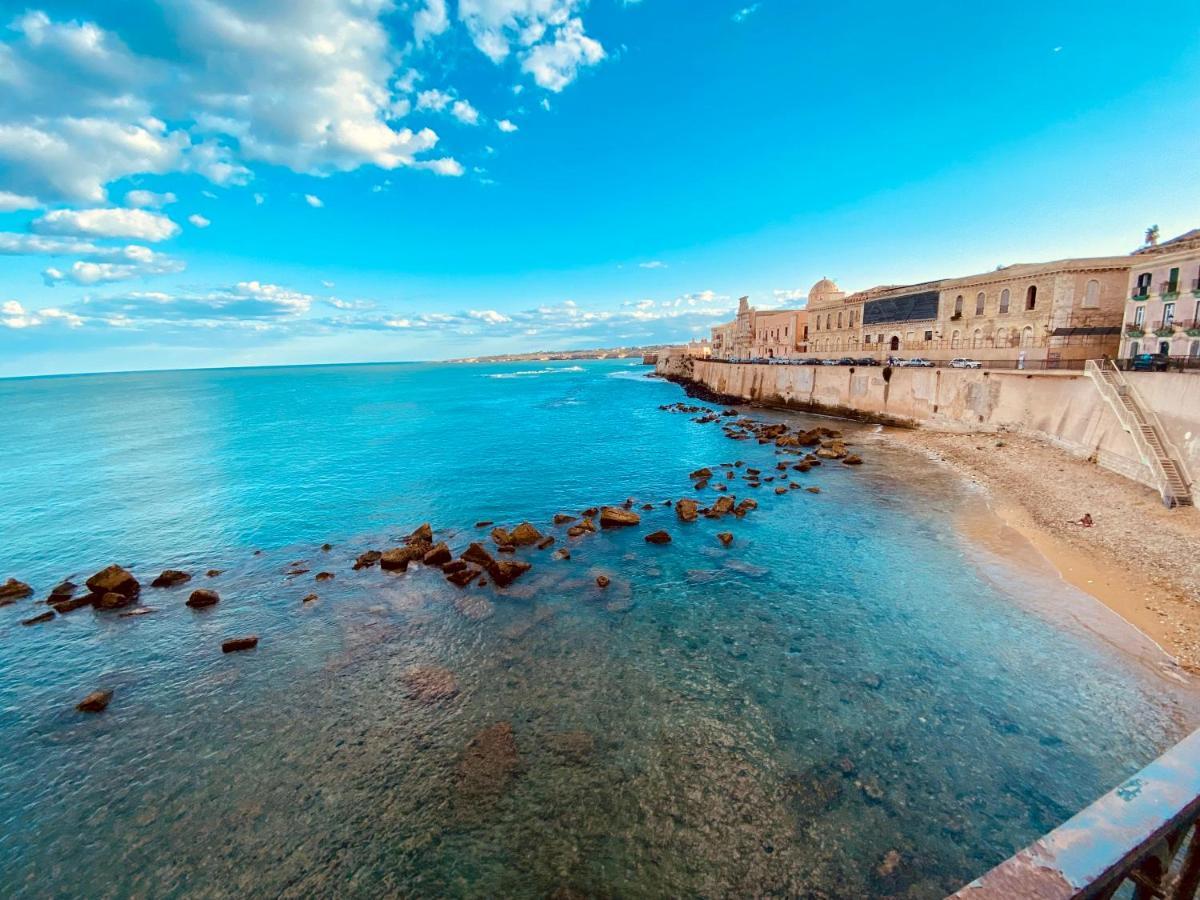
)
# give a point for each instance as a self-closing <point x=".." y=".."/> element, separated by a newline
<point x="1142" y="425"/>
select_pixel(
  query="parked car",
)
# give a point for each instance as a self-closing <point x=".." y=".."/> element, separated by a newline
<point x="1149" y="362"/>
<point x="961" y="362"/>
<point x="829" y="362"/>
<point x="868" y="361"/>
<point x="918" y="363"/>
<point x="846" y="361"/>
<point x="897" y="361"/>
<point x="810" y="362"/>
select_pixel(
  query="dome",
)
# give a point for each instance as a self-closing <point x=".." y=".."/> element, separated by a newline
<point x="822" y="290"/>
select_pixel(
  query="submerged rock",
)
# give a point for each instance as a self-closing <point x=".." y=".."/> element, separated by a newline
<point x="95" y="702"/>
<point x="603" y="581"/>
<point x="725" y="537"/>
<point x="853" y="460"/>
<point x="202" y="598"/>
<point x="430" y="684"/>
<point x="323" y="576"/>
<point x="170" y="578"/>
<point x="474" y="607"/>
<point x="562" y="553"/>
<point x="658" y="537"/>
<point x="455" y="565"/>
<point x="212" y="573"/>
<point x="563" y="519"/>
<point x="309" y="598"/>
<point x="112" y="600"/>
<point x="12" y="591"/>
<point x="489" y="762"/>
<point x="813" y="490"/>
<point x="545" y="543"/>
<point x="484" y="524"/>
<point x="462" y="577"/>
<point x="38" y="619"/>
<point x="233" y="645"/>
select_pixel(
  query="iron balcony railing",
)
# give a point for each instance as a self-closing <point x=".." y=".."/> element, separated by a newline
<point x="1168" y="287"/>
<point x="1140" y="292"/>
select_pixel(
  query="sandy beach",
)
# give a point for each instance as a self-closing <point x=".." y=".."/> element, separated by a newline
<point x="1138" y="558"/>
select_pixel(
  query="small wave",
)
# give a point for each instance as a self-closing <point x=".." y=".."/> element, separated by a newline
<point x="532" y="372"/>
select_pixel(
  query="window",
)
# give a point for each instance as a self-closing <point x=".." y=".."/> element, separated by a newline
<point x="839" y="320"/>
<point x="958" y="301"/>
<point x="1143" y="284"/>
<point x="977" y="338"/>
<point x="1173" y="281"/>
<point x="956" y="339"/>
<point x="1139" y="316"/>
<point x="852" y="318"/>
<point x="1194" y="350"/>
<point x="1168" y="314"/>
<point x="1004" y="297"/>
<point x="828" y="321"/>
<point x="1031" y="297"/>
<point x="1091" y="294"/>
<point x="928" y="335"/>
<point x="1001" y="337"/>
<point x="980" y="300"/>
<point x="1027" y="336"/>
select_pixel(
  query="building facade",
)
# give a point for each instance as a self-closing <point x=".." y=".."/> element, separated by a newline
<point x="1162" y="304"/>
<point x="780" y="334"/>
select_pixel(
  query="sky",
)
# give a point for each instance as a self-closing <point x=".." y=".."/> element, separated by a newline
<point x="192" y="183"/>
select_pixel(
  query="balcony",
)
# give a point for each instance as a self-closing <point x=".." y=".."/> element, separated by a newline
<point x="1196" y="286"/>
<point x="1168" y="290"/>
<point x="1164" y="328"/>
<point x="1134" y="331"/>
<point x="1191" y="327"/>
<point x="1141" y="292"/>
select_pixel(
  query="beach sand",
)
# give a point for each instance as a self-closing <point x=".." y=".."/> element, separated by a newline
<point x="1139" y="559"/>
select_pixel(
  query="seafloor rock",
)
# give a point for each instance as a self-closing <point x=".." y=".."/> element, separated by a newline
<point x="202" y="598"/>
<point x="853" y="460"/>
<point x="170" y="578"/>
<point x="658" y="537"/>
<point x="576" y="746"/>
<point x="430" y="684"/>
<point x="725" y="537"/>
<point x="476" y="554"/>
<point x="686" y="510"/>
<point x="505" y="572"/>
<point x="12" y="591"/>
<point x="233" y="645"/>
<point x="115" y="580"/>
<point x="39" y="618"/>
<point x="95" y="702"/>
<point x="112" y="600"/>
<point x="813" y="490"/>
<point x="438" y="555"/>
<point x="367" y="559"/>
<point x="489" y="762"/>
<point x="889" y="865"/>
<point x="474" y="607"/>
<point x="603" y="581"/>
<point x="524" y="535"/>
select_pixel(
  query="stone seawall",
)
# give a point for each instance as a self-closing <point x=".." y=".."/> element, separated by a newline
<point x="1063" y="408"/>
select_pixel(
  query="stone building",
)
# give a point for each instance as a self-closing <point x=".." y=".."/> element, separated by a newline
<point x="780" y="334"/>
<point x="722" y="340"/>
<point x="834" y="319"/>
<point x="1162" y="301"/>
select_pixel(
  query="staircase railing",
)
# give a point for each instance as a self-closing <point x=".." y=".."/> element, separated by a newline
<point x="1134" y="417"/>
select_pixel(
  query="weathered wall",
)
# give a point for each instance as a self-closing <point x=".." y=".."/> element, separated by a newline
<point x="1063" y="408"/>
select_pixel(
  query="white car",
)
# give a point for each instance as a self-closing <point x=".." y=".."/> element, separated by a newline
<point x="961" y="362"/>
<point x="917" y="363"/>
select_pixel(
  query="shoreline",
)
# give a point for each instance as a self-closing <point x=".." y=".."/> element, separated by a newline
<point x="1133" y="560"/>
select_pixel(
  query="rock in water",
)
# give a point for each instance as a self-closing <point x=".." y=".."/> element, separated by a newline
<point x="233" y="645"/>
<point x="603" y="581"/>
<point x="367" y="559"/>
<point x="489" y="762"/>
<point x="686" y="510"/>
<point x="170" y="578"/>
<point x="813" y="490"/>
<point x="477" y="554"/>
<point x="95" y="702"/>
<point x="563" y="519"/>
<point x="463" y="577"/>
<point x="38" y="619"/>
<point x="111" y="600"/>
<point x="701" y="474"/>
<point x="506" y="572"/>
<point x="114" y="580"/>
<point x="500" y="536"/>
<point x="212" y="573"/>
<point x="430" y="684"/>
<point x="617" y="517"/>
<point x="324" y="576"/>
<point x="852" y="460"/>
<point x="422" y="535"/>
<point x="438" y="555"/>
<point x="562" y="554"/>
<point x="12" y="591"/>
<point x="455" y="565"/>
<point x="203" y="598"/>
<point x="725" y="537"/>
<point x="524" y="535"/>
<point x="398" y="558"/>
<point x="658" y="537"/>
<point x="545" y="543"/>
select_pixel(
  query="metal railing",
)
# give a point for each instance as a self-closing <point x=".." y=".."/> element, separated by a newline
<point x="1155" y="449"/>
<point x="1168" y="287"/>
<point x="1141" y="833"/>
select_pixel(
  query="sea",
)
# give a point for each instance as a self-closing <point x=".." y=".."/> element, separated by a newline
<point x="859" y="696"/>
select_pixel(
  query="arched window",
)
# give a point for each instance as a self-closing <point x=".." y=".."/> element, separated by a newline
<point x="1001" y="337"/>
<point x="839" y="320"/>
<point x="1031" y="297"/>
<point x="1004" y="297"/>
<point x="1027" y="336"/>
<point x="977" y="338"/>
<point x="980" y="300"/>
<point x="1091" y="294"/>
<point x="1134" y="347"/>
<point x="828" y="321"/>
<point x="955" y="339"/>
<point x="958" y="303"/>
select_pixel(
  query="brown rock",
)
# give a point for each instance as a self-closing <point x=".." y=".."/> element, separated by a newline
<point x="616" y="517"/>
<point x="563" y="519"/>
<point x="524" y="535"/>
<point x="309" y="598"/>
<point x="455" y="565"/>
<point x="813" y="490"/>
<point x="323" y="576"/>
<point x="115" y="580"/>
<point x="781" y="490"/>
<point x="202" y="598"/>
<point x="111" y="600"/>
<point x="722" y="507"/>
<point x="438" y="555"/>
<point x="212" y="573"/>
<point x="325" y="548"/>
<point x="65" y="604"/>
<point x="95" y="702"/>
<point x="507" y="571"/>
<point x="367" y="559"/>
<point x="891" y="862"/>
<point x="701" y="474"/>
<point x="398" y="558"/>
<point x="686" y="510"/>
<point x="545" y="543"/>
<point x="483" y="524"/>
<point x="701" y="484"/>
<point x="506" y="548"/>
<point x="61" y="592"/>
<point x="852" y="460"/>
<point x="658" y="537"/>
<point x="298" y="569"/>
<point x="562" y="554"/>
<point x="500" y="536"/>
<point x="603" y="581"/>
<point x="489" y="762"/>
<point x="476" y="554"/>
<point x="430" y="684"/>
<point x="170" y="578"/>
<point x="12" y="591"/>
<point x="39" y="618"/>
<point x="591" y="512"/>
<point x="725" y="537"/>
<point x="422" y="535"/>
<point x="233" y="645"/>
<point x="463" y="577"/>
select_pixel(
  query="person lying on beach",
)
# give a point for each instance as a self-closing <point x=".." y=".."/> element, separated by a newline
<point x="1085" y="522"/>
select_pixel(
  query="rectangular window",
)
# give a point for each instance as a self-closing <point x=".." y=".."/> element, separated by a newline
<point x="1143" y="284"/>
<point x="1139" y="316"/>
<point x="1168" y="313"/>
<point x="929" y="335"/>
<point x="1173" y="281"/>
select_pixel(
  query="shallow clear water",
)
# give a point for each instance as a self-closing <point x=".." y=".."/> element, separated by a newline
<point x="682" y="732"/>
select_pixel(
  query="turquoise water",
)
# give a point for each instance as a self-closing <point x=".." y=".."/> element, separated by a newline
<point x="851" y="677"/>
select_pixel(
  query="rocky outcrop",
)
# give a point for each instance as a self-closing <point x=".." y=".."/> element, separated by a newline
<point x="438" y="555"/>
<point x="170" y="578"/>
<point x="505" y="572"/>
<point x="618" y="517"/>
<point x="95" y="702"/>
<point x="501" y="537"/>
<point x="421" y="535"/>
<point x="686" y="510"/>
<point x="723" y="507"/>
<point x="658" y="537"/>
<point x="587" y="526"/>
<point x="430" y="684"/>
<point x="367" y="559"/>
<point x="113" y="580"/>
<point x="524" y="535"/>
<point x="203" y="598"/>
<point x="62" y="598"/>
<point x="398" y="558"/>
<point x="476" y="554"/>
<point x="234" y="645"/>
<point x="12" y="591"/>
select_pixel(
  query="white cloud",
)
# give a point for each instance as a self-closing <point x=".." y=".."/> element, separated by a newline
<point x="789" y="295"/>
<point x="745" y="12"/>
<point x="14" y="315"/>
<point x="108" y="223"/>
<point x="148" y="199"/>
<point x="489" y="315"/>
<point x="434" y="99"/>
<point x="198" y="220"/>
<point x="465" y="112"/>
<point x="446" y="166"/>
<point x="653" y="264"/>
<point x="314" y="201"/>
<point x="555" y="64"/>
<point x="506" y="126"/>
<point x="88" y="273"/>
<point x="430" y="21"/>
<point x="10" y="202"/>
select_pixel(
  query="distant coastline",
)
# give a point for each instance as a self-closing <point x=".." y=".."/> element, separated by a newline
<point x="562" y="355"/>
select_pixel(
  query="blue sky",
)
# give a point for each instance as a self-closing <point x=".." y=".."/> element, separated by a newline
<point x="210" y="182"/>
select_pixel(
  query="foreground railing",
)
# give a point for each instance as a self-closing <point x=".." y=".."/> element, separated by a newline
<point x="1142" y="833"/>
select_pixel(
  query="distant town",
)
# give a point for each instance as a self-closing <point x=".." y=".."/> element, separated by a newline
<point x="550" y="355"/>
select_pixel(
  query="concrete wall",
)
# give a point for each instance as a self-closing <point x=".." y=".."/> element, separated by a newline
<point x="1063" y="408"/>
